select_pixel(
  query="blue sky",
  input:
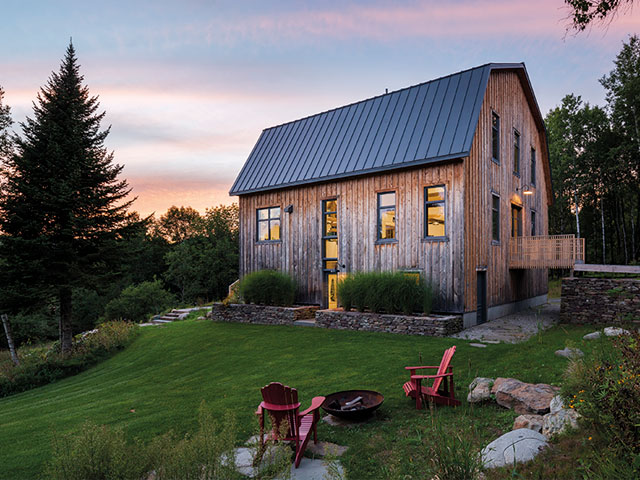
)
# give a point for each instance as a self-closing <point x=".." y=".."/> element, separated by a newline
<point x="189" y="85"/>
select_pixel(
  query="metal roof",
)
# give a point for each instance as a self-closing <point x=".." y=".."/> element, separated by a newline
<point x="429" y="122"/>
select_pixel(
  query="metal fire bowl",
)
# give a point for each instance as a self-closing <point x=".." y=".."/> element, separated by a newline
<point x="370" y="399"/>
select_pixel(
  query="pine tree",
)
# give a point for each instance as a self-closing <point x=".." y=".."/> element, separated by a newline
<point x="63" y="210"/>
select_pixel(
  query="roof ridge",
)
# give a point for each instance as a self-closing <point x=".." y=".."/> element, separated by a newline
<point x="388" y="93"/>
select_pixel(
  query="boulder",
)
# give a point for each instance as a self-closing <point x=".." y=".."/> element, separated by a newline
<point x="519" y="445"/>
<point x="558" y="422"/>
<point x="592" y="336"/>
<point x="615" y="331"/>
<point x="480" y="390"/>
<point x="532" y="422"/>
<point x="523" y="398"/>
<point x="557" y="404"/>
<point x="570" y="352"/>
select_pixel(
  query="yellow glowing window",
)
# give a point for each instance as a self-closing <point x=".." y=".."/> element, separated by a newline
<point x="268" y="224"/>
<point x="387" y="216"/>
<point x="434" y="211"/>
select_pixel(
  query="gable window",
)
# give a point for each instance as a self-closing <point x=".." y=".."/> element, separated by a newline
<point x="533" y="166"/>
<point x="495" y="137"/>
<point x="387" y="216"/>
<point x="495" y="217"/>
<point x="434" y="211"/>
<point x="516" y="221"/>
<point x="268" y="224"/>
<point x="533" y="223"/>
<point x="516" y="152"/>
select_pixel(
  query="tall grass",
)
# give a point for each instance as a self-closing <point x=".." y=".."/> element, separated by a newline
<point x="268" y="287"/>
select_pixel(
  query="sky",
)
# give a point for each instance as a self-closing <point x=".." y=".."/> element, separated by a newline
<point x="188" y="85"/>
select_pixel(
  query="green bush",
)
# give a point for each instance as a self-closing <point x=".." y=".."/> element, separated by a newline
<point x="268" y="287"/>
<point x="385" y="292"/>
<point x="45" y="363"/>
<point x="138" y="303"/>
<point x="98" y="453"/>
<point x="604" y="388"/>
<point x="103" y="453"/>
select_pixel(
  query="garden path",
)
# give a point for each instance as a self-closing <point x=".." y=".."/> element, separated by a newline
<point x="514" y="328"/>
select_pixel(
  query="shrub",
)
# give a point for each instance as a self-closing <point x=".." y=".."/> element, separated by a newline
<point x="268" y="287"/>
<point x="98" y="453"/>
<point x="385" y="292"/>
<point x="139" y="302"/>
<point x="45" y="363"/>
<point x="604" y="388"/>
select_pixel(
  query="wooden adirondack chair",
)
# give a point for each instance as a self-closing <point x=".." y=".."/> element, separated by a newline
<point x="281" y="403"/>
<point x="440" y="392"/>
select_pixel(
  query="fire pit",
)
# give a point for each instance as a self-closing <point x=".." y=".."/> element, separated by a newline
<point x="352" y="404"/>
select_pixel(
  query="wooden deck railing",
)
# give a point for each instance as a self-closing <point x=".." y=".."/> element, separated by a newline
<point x="546" y="251"/>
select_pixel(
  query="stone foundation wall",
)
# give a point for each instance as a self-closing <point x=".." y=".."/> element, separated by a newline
<point x="262" y="314"/>
<point x="600" y="301"/>
<point x="433" y="325"/>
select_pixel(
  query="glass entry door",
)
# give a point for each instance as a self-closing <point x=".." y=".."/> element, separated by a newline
<point x="330" y="252"/>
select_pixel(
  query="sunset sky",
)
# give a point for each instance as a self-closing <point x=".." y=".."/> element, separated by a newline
<point x="189" y="85"/>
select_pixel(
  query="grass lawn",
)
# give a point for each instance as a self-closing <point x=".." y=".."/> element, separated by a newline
<point x="167" y="371"/>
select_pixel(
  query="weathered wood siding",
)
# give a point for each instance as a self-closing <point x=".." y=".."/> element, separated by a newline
<point x="300" y="249"/>
<point x="506" y="97"/>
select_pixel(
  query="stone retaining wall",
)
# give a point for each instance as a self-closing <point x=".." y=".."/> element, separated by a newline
<point x="600" y="301"/>
<point x="262" y="314"/>
<point x="433" y="325"/>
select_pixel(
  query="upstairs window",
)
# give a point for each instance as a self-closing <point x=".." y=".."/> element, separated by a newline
<point x="533" y="166"/>
<point x="434" y="211"/>
<point x="533" y="223"/>
<point x="495" y="217"/>
<point x="268" y="224"/>
<point x="495" y="137"/>
<point x="387" y="216"/>
<point x="516" y="152"/>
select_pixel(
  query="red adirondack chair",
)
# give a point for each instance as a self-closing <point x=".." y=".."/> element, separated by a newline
<point x="281" y="402"/>
<point x="440" y="392"/>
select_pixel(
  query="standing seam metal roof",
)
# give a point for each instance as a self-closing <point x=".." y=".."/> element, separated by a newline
<point x="429" y="122"/>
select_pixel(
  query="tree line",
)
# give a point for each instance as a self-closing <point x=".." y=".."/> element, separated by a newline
<point x="69" y="241"/>
<point x="595" y="164"/>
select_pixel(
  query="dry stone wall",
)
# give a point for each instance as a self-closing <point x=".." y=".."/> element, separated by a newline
<point x="600" y="301"/>
<point x="261" y="314"/>
<point x="433" y="325"/>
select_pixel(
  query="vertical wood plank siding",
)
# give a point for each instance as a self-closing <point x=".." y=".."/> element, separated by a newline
<point x="300" y="251"/>
<point x="505" y="96"/>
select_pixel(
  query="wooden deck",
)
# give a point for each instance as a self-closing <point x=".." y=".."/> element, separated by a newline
<point x="546" y="251"/>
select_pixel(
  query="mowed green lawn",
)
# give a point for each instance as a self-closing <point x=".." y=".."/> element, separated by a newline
<point x="158" y="382"/>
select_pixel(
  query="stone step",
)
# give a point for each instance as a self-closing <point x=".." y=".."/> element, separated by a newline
<point x="305" y="323"/>
<point x="161" y="320"/>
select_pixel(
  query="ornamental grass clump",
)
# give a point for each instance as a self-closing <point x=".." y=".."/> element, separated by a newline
<point x="604" y="388"/>
<point x="268" y="287"/>
<point x="386" y="292"/>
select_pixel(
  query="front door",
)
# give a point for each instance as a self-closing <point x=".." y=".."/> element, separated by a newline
<point x="481" y="289"/>
<point x="330" y="252"/>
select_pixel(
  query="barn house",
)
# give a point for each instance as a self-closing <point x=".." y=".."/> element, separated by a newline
<point x="449" y="178"/>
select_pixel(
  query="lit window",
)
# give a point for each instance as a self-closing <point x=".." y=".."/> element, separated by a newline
<point x="516" y="221"/>
<point x="495" y="217"/>
<point x="387" y="216"/>
<point x="330" y="234"/>
<point x="495" y="137"/>
<point x="434" y="211"/>
<point x="268" y="224"/>
<point x="516" y="152"/>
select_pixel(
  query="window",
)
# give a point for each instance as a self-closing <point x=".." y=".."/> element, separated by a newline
<point x="495" y="217"/>
<point x="268" y="224"/>
<point x="516" y="221"/>
<point x="387" y="216"/>
<point x="533" y="166"/>
<point x="330" y="234"/>
<point x="516" y="152"/>
<point x="434" y="211"/>
<point x="495" y="137"/>
<point x="533" y="223"/>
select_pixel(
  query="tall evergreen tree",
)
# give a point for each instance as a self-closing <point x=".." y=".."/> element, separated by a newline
<point x="63" y="209"/>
